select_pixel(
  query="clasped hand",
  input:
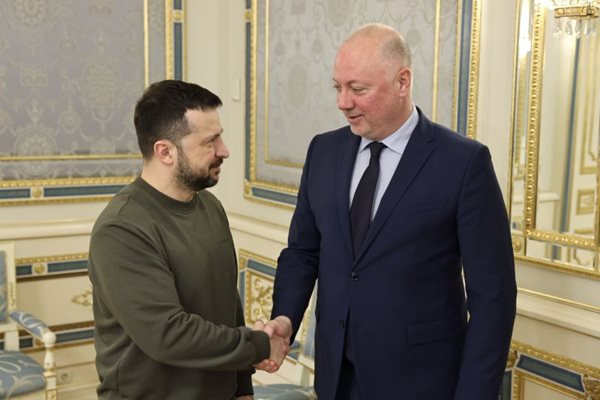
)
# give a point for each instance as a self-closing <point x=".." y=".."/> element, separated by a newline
<point x="280" y="333"/>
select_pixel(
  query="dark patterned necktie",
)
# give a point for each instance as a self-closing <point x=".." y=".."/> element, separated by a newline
<point x="362" y="203"/>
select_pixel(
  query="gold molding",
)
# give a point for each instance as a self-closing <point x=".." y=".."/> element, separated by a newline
<point x="244" y="256"/>
<point x="172" y="16"/>
<point x="562" y="239"/>
<point x="558" y="267"/>
<point x="71" y="157"/>
<point x="561" y="300"/>
<point x="146" y="45"/>
<point x="49" y="259"/>
<point x="40" y="267"/>
<point x="552" y="358"/>
<point x="526" y="376"/>
<point x="268" y="186"/>
<point x="473" y="92"/>
<point x="582" y="206"/>
<point x="84" y="298"/>
<point x="436" y="58"/>
<point x="65" y="182"/>
<point x="36" y="186"/>
<point x="589" y="146"/>
<point x="12" y="296"/>
<point x="169" y="65"/>
<point x="457" y="48"/>
<point x="535" y="90"/>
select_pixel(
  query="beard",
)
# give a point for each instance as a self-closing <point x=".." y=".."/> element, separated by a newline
<point x="193" y="180"/>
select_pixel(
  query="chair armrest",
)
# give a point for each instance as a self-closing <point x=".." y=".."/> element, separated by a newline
<point x="40" y="331"/>
<point x="34" y="326"/>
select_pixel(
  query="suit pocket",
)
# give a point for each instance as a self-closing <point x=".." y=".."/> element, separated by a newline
<point x="432" y="331"/>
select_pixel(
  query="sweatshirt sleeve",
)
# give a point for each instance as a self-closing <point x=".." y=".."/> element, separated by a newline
<point x="244" y="377"/>
<point x="137" y="288"/>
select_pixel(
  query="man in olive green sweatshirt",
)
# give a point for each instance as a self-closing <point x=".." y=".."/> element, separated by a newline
<point x="168" y="317"/>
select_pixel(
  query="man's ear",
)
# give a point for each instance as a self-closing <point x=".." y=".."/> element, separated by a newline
<point x="404" y="80"/>
<point x="165" y="152"/>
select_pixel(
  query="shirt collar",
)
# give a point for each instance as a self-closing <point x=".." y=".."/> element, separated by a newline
<point x="397" y="140"/>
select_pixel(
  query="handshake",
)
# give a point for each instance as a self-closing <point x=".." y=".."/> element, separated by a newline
<point x="280" y="333"/>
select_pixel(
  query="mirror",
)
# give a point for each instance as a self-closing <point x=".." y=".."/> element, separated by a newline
<point x="555" y="133"/>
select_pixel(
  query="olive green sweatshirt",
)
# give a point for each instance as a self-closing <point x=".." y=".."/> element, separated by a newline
<point x="168" y="318"/>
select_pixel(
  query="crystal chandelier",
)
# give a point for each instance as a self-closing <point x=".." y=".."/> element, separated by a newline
<point x="576" y="17"/>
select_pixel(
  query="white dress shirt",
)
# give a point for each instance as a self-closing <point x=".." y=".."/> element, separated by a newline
<point x="388" y="160"/>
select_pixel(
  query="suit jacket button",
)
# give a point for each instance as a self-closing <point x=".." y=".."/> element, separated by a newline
<point x="341" y="323"/>
<point x="354" y="276"/>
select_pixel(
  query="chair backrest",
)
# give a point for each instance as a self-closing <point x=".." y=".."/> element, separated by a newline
<point x="8" y="293"/>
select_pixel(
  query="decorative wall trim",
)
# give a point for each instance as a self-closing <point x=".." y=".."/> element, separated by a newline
<point x="560" y="300"/>
<point x="45" y="191"/>
<point x="257" y="274"/>
<point x="559" y="267"/>
<point x="558" y="373"/>
<point x="39" y="268"/>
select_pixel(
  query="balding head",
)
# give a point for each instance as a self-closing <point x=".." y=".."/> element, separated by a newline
<point x="391" y="45"/>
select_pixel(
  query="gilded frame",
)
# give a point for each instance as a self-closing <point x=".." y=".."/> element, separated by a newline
<point x="557" y="373"/>
<point x="529" y="99"/>
<point x="91" y="189"/>
<point x="463" y="95"/>
<point x="257" y="275"/>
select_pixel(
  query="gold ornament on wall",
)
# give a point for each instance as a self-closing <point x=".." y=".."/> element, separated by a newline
<point x="84" y="299"/>
<point x="592" y="388"/>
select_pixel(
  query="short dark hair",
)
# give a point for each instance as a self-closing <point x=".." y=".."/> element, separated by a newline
<point x="160" y="112"/>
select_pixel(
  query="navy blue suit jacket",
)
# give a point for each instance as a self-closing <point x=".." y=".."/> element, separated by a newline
<point x="416" y="333"/>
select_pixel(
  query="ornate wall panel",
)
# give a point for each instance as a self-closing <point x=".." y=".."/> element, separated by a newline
<point x="291" y="48"/>
<point x="535" y="374"/>
<point x="257" y="274"/>
<point x="70" y="74"/>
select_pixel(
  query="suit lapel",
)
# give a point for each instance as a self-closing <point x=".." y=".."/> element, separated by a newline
<point x="419" y="148"/>
<point x="344" y="168"/>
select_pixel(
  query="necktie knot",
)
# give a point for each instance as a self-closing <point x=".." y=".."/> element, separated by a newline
<point x="376" y="148"/>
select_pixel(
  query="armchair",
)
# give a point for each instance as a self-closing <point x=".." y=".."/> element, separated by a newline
<point x="21" y="377"/>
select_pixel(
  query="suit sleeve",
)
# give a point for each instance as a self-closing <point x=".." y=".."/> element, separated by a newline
<point x="488" y="266"/>
<point x="297" y="266"/>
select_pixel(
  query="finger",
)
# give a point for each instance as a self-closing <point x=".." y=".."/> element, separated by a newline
<point x="259" y="325"/>
<point x="269" y="328"/>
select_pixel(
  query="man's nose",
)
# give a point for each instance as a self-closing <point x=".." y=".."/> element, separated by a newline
<point x="222" y="151"/>
<point x="344" y="100"/>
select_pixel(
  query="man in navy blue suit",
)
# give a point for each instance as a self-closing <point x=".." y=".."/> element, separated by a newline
<point x="388" y="230"/>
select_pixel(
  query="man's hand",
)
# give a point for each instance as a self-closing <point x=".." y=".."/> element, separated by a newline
<point x="245" y="397"/>
<point x="280" y="332"/>
<point x="281" y="326"/>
